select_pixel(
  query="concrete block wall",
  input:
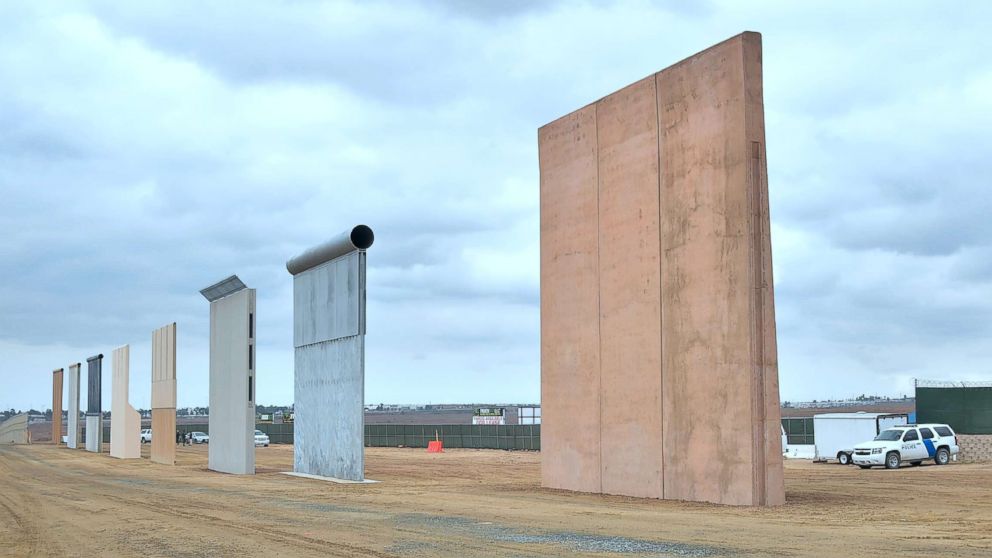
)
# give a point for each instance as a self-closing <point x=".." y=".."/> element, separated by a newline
<point x="658" y="358"/>
<point x="975" y="448"/>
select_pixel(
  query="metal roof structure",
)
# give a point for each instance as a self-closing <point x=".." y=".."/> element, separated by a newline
<point x="223" y="288"/>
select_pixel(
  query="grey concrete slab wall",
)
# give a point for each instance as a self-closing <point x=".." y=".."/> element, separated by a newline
<point x="125" y="422"/>
<point x="57" y="384"/>
<point x="14" y="430"/>
<point x="72" y="436"/>
<point x="94" y="404"/>
<point x="232" y="383"/>
<point x="164" y="395"/>
<point x="329" y="360"/>
<point x="326" y="302"/>
<point x="330" y="391"/>
<point x="658" y="359"/>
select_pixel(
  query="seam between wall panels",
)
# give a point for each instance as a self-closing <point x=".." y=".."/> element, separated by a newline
<point x="599" y="301"/>
<point x="755" y="324"/>
<point x="661" y="282"/>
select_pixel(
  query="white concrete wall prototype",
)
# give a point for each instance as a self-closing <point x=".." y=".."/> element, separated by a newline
<point x="232" y="383"/>
<point x="125" y="422"/>
<point x="15" y="430"/>
<point x="72" y="437"/>
<point x="329" y="340"/>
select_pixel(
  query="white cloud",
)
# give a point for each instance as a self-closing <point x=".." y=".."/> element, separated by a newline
<point x="150" y="149"/>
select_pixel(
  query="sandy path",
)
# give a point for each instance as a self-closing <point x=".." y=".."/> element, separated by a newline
<point x="464" y="503"/>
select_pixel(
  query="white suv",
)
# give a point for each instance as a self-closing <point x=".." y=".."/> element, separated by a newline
<point x="913" y="443"/>
<point x="146" y="436"/>
<point x="261" y="439"/>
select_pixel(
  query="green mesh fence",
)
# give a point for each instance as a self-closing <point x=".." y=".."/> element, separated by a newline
<point x="967" y="409"/>
<point x="490" y="436"/>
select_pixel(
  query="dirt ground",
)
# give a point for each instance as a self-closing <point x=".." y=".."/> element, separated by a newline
<point x="61" y="502"/>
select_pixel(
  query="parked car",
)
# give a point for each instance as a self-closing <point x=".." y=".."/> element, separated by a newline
<point x="913" y="443"/>
<point x="201" y="438"/>
<point x="261" y="439"/>
<point x="146" y="436"/>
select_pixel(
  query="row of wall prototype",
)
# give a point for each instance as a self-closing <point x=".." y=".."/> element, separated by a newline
<point x="489" y="436"/>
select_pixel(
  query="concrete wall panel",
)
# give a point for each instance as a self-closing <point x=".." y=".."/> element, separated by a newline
<point x="72" y="437"/>
<point x="164" y="395"/>
<point x="94" y="405"/>
<point x="15" y="430"/>
<point x="163" y="436"/>
<point x="57" y="406"/>
<point x="570" y="356"/>
<point x="232" y="385"/>
<point x="327" y="301"/>
<point x="329" y="425"/>
<point x="681" y="347"/>
<point x="94" y="434"/>
<point x="630" y="292"/>
<point x="125" y="422"/>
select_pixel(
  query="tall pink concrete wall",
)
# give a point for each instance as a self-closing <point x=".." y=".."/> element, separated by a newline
<point x="659" y="369"/>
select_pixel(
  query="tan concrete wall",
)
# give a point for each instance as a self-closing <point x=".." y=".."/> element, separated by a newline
<point x="57" y="406"/>
<point x="164" y="395"/>
<point x="975" y="448"/>
<point x="15" y="430"/>
<point x="659" y="369"/>
<point x="125" y="422"/>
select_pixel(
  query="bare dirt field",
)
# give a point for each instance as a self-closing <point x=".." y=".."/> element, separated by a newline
<point x="61" y="502"/>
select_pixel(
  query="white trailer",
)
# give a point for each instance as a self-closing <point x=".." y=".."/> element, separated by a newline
<point x="836" y="433"/>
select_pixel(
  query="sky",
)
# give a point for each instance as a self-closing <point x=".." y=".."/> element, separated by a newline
<point x="150" y="149"/>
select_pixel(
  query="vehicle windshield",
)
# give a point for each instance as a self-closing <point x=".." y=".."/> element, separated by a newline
<point x="259" y="433"/>
<point x="889" y="436"/>
<point x="199" y="434"/>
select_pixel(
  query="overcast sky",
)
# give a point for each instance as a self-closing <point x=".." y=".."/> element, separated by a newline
<point x="149" y="149"/>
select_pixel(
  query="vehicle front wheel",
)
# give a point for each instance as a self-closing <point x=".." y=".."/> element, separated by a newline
<point x="892" y="460"/>
<point x="844" y="458"/>
<point x="865" y="466"/>
<point x="943" y="456"/>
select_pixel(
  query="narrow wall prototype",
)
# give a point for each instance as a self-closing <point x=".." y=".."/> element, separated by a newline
<point x="329" y="341"/>
<point x="94" y="404"/>
<point x="658" y="359"/>
<point x="125" y="422"/>
<point x="232" y="376"/>
<point x="164" y="395"/>
<point x="57" y="406"/>
<point x="72" y="436"/>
